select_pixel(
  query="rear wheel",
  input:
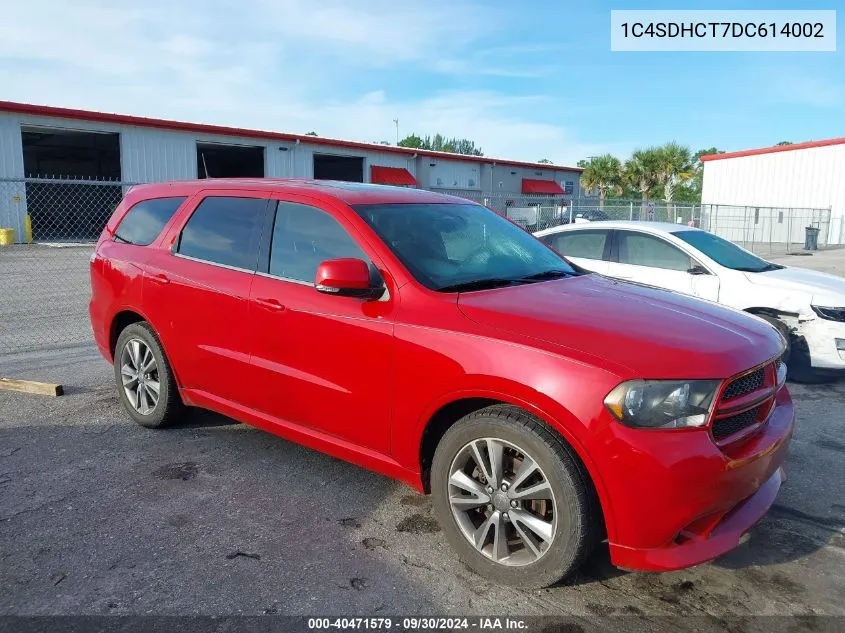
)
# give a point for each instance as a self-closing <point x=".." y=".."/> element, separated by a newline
<point x="144" y="378"/>
<point x="512" y="499"/>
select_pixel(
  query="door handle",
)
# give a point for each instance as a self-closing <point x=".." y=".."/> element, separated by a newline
<point x="270" y="304"/>
<point x="159" y="278"/>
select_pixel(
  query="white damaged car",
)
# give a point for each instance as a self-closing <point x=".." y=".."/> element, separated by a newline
<point x="808" y="307"/>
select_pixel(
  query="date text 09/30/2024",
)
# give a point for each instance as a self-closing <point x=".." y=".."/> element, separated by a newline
<point x="418" y="623"/>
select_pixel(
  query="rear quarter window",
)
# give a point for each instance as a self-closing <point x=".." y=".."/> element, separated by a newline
<point x="144" y="221"/>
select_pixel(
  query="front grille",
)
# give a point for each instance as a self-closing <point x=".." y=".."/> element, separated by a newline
<point x="735" y="423"/>
<point x="745" y="385"/>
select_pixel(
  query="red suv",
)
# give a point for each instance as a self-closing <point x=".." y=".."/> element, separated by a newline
<point x="428" y="338"/>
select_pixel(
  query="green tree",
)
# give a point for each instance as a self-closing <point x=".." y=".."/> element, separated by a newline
<point x="440" y="143"/>
<point x="311" y="133"/>
<point x="674" y="168"/>
<point x="642" y="171"/>
<point x="413" y="141"/>
<point x="601" y="173"/>
<point x="691" y="191"/>
<point x="545" y="161"/>
<point x="785" y="143"/>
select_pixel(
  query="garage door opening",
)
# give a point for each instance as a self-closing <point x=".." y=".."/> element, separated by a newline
<point x="70" y="190"/>
<point x="229" y="161"/>
<point x="349" y="168"/>
<point x="57" y="153"/>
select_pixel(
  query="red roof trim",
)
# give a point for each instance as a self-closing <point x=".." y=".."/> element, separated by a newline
<point x="391" y="176"/>
<point x="775" y="149"/>
<point x="531" y="185"/>
<point x="182" y="126"/>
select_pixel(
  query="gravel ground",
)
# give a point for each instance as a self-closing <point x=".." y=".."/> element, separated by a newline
<point x="44" y="293"/>
<point x="100" y="516"/>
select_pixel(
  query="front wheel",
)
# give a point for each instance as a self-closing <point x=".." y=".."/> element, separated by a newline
<point x="512" y="498"/>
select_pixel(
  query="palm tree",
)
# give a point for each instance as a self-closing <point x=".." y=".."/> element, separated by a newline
<point x="674" y="167"/>
<point x="641" y="171"/>
<point x="603" y="174"/>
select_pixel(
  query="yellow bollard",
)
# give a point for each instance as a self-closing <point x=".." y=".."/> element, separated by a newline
<point x="27" y="228"/>
<point x="7" y="237"/>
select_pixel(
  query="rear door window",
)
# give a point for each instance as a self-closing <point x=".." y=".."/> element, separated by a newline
<point x="585" y="244"/>
<point x="224" y="230"/>
<point x="640" y="249"/>
<point x="144" y="221"/>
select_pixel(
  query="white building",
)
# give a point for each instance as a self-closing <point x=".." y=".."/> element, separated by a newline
<point x="794" y="180"/>
<point x="59" y="142"/>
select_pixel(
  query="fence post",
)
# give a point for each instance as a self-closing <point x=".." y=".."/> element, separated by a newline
<point x="630" y="210"/>
<point x="789" y="230"/>
<point x="771" y="227"/>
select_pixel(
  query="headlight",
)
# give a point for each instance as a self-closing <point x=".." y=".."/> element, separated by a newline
<point x="831" y="314"/>
<point x="662" y="404"/>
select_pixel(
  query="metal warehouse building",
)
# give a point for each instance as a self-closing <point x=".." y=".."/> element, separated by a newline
<point x="40" y="144"/>
<point x="783" y="189"/>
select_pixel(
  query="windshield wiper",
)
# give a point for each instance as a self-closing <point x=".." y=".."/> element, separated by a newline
<point x="480" y="284"/>
<point x="770" y="267"/>
<point x="548" y="274"/>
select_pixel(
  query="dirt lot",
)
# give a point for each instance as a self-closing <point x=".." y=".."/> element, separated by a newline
<point x="100" y="516"/>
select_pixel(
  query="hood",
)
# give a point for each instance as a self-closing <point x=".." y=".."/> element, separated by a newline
<point x="823" y="287"/>
<point x="653" y="333"/>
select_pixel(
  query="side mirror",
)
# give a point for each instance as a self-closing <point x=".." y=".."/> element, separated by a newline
<point x="698" y="269"/>
<point x="346" y="278"/>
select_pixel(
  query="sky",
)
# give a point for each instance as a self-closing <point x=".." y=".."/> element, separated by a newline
<point x="524" y="80"/>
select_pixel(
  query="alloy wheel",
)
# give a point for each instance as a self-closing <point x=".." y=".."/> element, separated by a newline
<point x="502" y="501"/>
<point x="139" y="373"/>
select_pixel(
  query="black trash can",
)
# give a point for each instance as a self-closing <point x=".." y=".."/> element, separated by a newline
<point x="811" y="238"/>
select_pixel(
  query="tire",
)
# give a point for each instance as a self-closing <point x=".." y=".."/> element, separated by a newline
<point x="796" y="356"/>
<point x="168" y="405"/>
<point x="575" y="513"/>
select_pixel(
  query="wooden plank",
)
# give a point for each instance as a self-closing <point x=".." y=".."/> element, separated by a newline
<point x="30" y="386"/>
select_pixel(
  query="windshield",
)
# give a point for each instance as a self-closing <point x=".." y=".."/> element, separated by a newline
<point x="453" y="247"/>
<point x="724" y="252"/>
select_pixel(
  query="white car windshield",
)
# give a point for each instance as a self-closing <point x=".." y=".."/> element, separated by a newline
<point x="725" y="253"/>
<point x="462" y="247"/>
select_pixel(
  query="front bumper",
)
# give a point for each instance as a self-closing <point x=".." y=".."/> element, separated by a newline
<point x="690" y="549"/>
<point x="822" y="337"/>
<point x="677" y="499"/>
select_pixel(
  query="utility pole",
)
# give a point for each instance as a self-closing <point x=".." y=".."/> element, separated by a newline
<point x="396" y="121"/>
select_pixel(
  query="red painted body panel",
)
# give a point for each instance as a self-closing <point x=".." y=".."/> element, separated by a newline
<point x="362" y="379"/>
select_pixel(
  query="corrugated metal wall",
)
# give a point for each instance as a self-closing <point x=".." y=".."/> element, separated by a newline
<point x="148" y="155"/>
<point x="12" y="194"/>
<point x="507" y="179"/>
<point x="802" y="178"/>
<point x="155" y="155"/>
<point x="449" y="174"/>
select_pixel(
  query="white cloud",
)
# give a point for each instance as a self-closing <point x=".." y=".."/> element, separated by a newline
<point x="278" y="64"/>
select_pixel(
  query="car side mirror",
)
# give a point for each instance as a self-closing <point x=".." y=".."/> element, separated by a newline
<point x="698" y="269"/>
<point x="346" y="277"/>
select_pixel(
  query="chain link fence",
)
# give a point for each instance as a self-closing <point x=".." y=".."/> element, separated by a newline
<point x="537" y="212"/>
<point x="769" y="230"/>
<point x="44" y="284"/>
